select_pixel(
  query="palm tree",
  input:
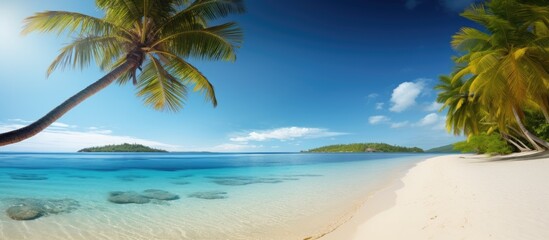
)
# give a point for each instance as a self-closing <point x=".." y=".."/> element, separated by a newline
<point x="507" y="59"/>
<point x="155" y="37"/>
<point x="464" y="114"/>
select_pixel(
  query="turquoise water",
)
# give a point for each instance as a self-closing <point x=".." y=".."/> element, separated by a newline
<point x="220" y="196"/>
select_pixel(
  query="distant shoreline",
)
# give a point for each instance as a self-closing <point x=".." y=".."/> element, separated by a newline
<point x="124" y="148"/>
<point x="365" y="147"/>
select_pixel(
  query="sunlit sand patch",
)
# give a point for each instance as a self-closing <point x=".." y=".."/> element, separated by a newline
<point x="210" y="195"/>
<point x="32" y="208"/>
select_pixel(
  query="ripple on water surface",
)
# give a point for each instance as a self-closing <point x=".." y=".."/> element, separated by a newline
<point x="27" y="176"/>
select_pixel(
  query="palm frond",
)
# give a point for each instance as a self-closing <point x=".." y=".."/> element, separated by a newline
<point x="191" y="75"/>
<point x="160" y="90"/>
<point x="122" y="12"/>
<point x="200" y="11"/>
<point x="215" y="9"/>
<point x="69" y="22"/>
<point x="470" y="39"/>
<point x="82" y="51"/>
<point x="213" y="43"/>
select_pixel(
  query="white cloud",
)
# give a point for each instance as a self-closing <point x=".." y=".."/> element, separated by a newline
<point x="456" y="5"/>
<point x="62" y="137"/>
<point x="429" y="119"/>
<point x="441" y="124"/>
<point x="404" y="96"/>
<point x="435" y="106"/>
<point x="373" y="95"/>
<point x="104" y="131"/>
<point x="60" y="125"/>
<point x="286" y="133"/>
<point x="399" y="124"/>
<point x="231" y="147"/>
<point x="18" y="120"/>
<point x="379" y="105"/>
<point x="378" y="119"/>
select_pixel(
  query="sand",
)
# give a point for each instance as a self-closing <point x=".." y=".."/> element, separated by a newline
<point x="459" y="197"/>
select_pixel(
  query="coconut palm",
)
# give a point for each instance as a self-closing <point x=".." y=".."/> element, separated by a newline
<point x="463" y="113"/>
<point x="507" y="59"/>
<point x="466" y="116"/>
<point x="146" y="41"/>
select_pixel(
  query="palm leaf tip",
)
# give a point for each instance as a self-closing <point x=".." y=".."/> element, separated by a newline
<point x="69" y="22"/>
<point x="214" y="9"/>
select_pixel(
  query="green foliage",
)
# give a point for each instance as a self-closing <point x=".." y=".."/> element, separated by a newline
<point x="158" y="37"/>
<point x="365" y="147"/>
<point x="537" y="123"/>
<point x="443" y="149"/>
<point x="501" y="73"/>
<point x="484" y="143"/>
<point x="126" y="147"/>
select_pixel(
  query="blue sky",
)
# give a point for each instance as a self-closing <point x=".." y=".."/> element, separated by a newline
<point x="310" y="73"/>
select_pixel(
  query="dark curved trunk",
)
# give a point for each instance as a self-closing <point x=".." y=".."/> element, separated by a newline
<point x="522" y="135"/>
<point x="520" y="148"/>
<point x="42" y="123"/>
<point x="517" y="140"/>
<point x="538" y="143"/>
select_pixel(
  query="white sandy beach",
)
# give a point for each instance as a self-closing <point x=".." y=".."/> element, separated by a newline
<point x="459" y="197"/>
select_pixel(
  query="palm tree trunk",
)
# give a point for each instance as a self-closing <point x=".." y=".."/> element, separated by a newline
<point x="521" y="134"/>
<point x="533" y="138"/>
<point x="520" y="142"/>
<point x="42" y="123"/>
<point x="520" y="148"/>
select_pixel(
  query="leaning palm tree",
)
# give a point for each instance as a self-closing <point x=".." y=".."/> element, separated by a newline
<point x="147" y="42"/>
<point x="507" y="59"/>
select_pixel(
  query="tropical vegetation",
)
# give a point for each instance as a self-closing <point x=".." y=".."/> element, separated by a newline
<point x="365" y="147"/>
<point x="146" y="42"/>
<point x="443" y="149"/>
<point x="484" y="143"/>
<point x="126" y="147"/>
<point x="500" y="86"/>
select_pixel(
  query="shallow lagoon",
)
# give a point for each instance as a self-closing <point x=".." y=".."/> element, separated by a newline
<point x="219" y="196"/>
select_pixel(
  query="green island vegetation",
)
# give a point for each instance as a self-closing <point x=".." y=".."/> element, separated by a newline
<point x="498" y="93"/>
<point x="126" y="147"/>
<point x="443" y="149"/>
<point x="365" y="147"/>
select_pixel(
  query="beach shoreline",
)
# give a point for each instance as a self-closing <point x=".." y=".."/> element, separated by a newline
<point x="286" y="201"/>
<point x="388" y="185"/>
<point x="457" y="197"/>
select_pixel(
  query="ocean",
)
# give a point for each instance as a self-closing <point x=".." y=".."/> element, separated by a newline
<point x="194" y="196"/>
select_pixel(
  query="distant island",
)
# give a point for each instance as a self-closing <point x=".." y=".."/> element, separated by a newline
<point x="126" y="147"/>
<point x="444" y="149"/>
<point x="365" y="147"/>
